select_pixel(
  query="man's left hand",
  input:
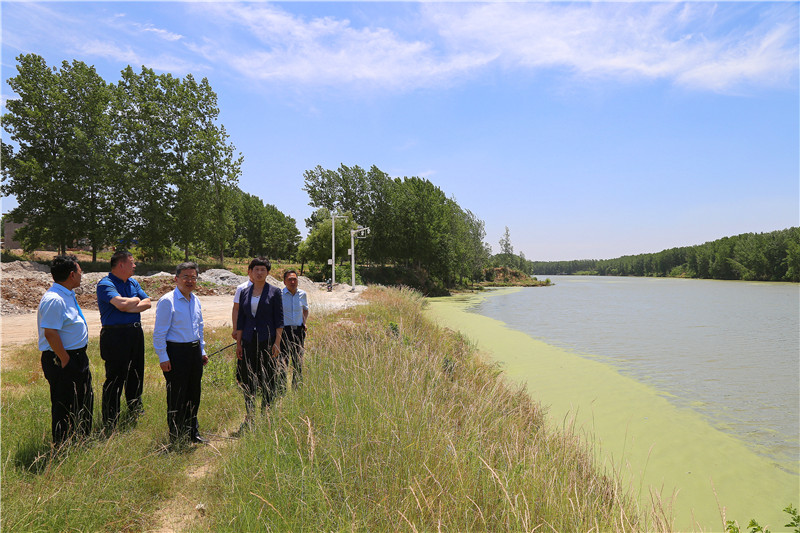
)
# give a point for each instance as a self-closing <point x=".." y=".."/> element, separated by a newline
<point x="205" y="360"/>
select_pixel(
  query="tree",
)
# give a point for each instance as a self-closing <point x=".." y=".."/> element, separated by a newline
<point x="145" y="196"/>
<point x="37" y="171"/>
<point x="89" y="152"/>
<point x="216" y="159"/>
<point x="412" y="221"/>
<point x="266" y="230"/>
<point x="505" y="243"/>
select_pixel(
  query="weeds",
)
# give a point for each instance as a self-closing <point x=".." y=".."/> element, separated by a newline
<point x="732" y="527"/>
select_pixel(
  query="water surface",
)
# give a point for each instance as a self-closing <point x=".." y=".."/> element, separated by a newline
<point x="729" y="350"/>
<point x="662" y="444"/>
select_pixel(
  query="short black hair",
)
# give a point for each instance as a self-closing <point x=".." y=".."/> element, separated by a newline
<point x="290" y="271"/>
<point x="189" y="265"/>
<point x="62" y="266"/>
<point x="120" y="256"/>
<point x="259" y="261"/>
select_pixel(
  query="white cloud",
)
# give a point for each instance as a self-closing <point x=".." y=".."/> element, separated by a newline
<point x="697" y="45"/>
<point x="327" y="51"/>
<point x="688" y="44"/>
<point x="163" y="34"/>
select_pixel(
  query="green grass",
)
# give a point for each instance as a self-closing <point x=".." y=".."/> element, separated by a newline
<point x="399" y="426"/>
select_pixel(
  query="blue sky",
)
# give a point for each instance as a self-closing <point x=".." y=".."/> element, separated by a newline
<point x="591" y="130"/>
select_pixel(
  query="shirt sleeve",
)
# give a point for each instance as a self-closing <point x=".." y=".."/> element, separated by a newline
<point x="139" y="292"/>
<point x="161" y="327"/>
<point x="106" y="291"/>
<point x="237" y="295"/>
<point x="303" y="301"/>
<point x="200" y="320"/>
<point x="51" y="313"/>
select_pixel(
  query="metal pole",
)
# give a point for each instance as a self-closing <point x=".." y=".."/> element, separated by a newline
<point x="333" y="248"/>
<point x="352" y="260"/>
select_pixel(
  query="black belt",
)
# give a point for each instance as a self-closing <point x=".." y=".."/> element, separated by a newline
<point x="293" y="327"/>
<point x="131" y="325"/>
<point x="193" y="343"/>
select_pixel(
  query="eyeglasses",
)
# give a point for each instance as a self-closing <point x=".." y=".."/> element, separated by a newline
<point x="189" y="278"/>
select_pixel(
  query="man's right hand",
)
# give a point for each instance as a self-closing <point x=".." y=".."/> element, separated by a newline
<point x="166" y="366"/>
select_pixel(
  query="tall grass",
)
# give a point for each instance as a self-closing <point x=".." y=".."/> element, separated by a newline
<point x="398" y="426"/>
<point x="102" y="484"/>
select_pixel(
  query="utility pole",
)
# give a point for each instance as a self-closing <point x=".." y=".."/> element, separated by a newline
<point x="353" y="233"/>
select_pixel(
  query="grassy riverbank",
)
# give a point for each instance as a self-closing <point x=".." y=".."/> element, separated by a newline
<point x="399" y="426"/>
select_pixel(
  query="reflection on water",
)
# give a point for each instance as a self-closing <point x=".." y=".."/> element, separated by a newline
<point x="730" y="350"/>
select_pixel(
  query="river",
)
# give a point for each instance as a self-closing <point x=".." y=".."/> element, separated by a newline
<point x="716" y="361"/>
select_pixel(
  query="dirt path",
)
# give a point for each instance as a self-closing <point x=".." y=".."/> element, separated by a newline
<point x="183" y="511"/>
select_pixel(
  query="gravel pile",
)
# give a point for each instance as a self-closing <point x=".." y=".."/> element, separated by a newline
<point x="23" y="267"/>
<point x="221" y="276"/>
<point x="24" y="282"/>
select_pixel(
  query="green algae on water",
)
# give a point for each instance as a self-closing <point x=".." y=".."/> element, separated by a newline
<point x="651" y="443"/>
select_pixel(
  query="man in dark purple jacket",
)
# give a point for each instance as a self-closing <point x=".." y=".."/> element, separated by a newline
<point x="259" y="327"/>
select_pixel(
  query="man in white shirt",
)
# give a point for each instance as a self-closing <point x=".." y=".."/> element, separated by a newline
<point x="295" y="316"/>
<point x="178" y="341"/>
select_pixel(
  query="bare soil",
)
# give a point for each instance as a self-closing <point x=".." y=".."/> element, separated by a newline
<point x="23" y="283"/>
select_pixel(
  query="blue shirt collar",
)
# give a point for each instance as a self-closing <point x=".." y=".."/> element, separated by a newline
<point x="179" y="294"/>
<point x="57" y="287"/>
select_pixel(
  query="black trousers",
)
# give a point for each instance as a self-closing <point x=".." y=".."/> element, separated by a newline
<point x="292" y="350"/>
<point x="183" y="389"/>
<point x="258" y="371"/>
<point x="122" y="349"/>
<point x="71" y="395"/>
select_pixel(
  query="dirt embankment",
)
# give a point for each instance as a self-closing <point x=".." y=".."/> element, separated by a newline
<point x="22" y="284"/>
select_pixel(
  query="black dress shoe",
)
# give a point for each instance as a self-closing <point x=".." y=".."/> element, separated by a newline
<point x="199" y="440"/>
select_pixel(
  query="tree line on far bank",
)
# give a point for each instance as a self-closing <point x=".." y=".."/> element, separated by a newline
<point x="773" y="256"/>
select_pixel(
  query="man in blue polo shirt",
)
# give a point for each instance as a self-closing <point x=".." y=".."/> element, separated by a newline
<point x="62" y="339"/>
<point x="121" y="299"/>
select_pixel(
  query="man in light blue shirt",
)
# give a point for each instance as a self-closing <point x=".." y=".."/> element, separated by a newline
<point x="63" y="336"/>
<point x="179" y="344"/>
<point x="295" y="316"/>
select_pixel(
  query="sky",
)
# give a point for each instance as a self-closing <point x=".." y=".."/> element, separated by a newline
<point x="590" y="130"/>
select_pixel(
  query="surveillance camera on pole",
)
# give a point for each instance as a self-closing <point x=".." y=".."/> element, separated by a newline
<point x="361" y="233"/>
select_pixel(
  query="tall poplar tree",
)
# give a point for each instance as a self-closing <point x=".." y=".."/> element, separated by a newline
<point x="36" y="169"/>
<point x="144" y="196"/>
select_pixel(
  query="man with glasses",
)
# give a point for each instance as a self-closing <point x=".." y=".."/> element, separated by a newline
<point x="178" y="341"/>
<point x="63" y="336"/>
<point x="120" y="300"/>
<point x="295" y="316"/>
